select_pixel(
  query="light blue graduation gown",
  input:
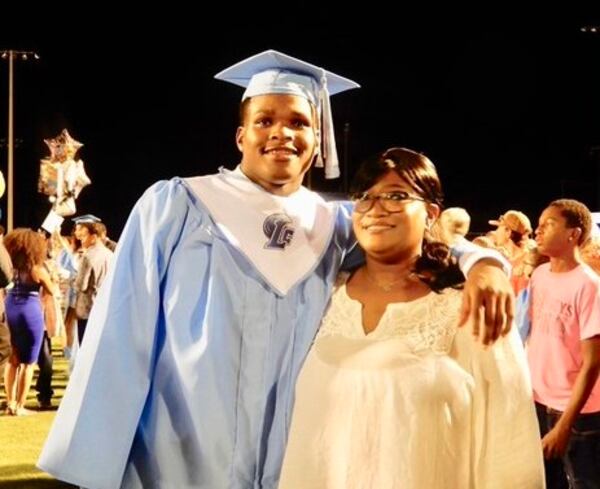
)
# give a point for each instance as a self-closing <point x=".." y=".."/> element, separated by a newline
<point x="186" y="375"/>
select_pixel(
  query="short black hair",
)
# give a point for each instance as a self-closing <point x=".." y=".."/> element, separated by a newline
<point x="577" y="215"/>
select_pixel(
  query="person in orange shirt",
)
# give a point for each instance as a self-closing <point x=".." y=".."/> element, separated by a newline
<point x="512" y="238"/>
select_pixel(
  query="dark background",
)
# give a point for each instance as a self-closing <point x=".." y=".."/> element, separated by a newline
<point x="508" y="106"/>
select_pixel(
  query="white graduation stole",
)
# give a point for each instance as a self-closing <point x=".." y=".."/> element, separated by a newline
<point x="283" y="237"/>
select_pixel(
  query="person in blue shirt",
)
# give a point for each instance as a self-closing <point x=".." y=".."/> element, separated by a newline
<point x="217" y="288"/>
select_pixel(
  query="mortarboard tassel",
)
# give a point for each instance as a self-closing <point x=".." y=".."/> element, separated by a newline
<point x="328" y="150"/>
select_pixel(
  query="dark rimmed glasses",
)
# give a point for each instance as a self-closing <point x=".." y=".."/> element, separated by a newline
<point x="389" y="201"/>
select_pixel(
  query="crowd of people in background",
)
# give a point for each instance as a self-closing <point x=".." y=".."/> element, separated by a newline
<point x="49" y="284"/>
<point x="315" y="342"/>
<point x="555" y="277"/>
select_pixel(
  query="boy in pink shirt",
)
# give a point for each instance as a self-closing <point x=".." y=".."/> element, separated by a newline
<point x="564" y="348"/>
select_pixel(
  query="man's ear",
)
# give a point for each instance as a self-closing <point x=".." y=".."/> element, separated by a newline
<point x="239" y="138"/>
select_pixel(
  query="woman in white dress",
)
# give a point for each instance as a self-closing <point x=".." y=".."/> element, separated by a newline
<point x="393" y="394"/>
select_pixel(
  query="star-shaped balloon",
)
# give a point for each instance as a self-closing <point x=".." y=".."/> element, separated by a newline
<point x="63" y="146"/>
<point x="61" y="176"/>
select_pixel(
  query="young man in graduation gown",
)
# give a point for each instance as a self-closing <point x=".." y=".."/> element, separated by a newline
<point x="186" y="377"/>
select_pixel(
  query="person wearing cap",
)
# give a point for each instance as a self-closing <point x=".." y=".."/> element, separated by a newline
<point x="92" y="269"/>
<point x="86" y="219"/>
<point x="511" y="222"/>
<point x="511" y="238"/>
<point x="219" y="283"/>
<point x="563" y="348"/>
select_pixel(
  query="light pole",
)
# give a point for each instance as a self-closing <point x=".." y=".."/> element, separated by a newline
<point x="11" y="55"/>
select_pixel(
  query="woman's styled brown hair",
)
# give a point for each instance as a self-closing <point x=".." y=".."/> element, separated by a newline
<point x="26" y="248"/>
<point x="436" y="267"/>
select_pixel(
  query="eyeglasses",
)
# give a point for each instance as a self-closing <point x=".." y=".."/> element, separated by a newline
<point x="389" y="201"/>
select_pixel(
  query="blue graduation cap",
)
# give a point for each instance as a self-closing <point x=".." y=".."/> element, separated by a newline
<point x="86" y="219"/>
<point x="274" y="72"/>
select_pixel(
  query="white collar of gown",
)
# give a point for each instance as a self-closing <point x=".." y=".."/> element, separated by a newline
<point x="283" y="237"/>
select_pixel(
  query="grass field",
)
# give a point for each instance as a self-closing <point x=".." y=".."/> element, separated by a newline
<point x="21" y="438"/>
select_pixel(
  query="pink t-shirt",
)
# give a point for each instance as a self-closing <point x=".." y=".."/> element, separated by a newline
<point x="565" y="309"/>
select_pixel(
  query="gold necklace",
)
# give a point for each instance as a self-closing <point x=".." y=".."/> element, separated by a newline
<point x="385" y="287"/>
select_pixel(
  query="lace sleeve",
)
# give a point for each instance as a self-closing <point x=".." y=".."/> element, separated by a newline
<point x="428" y="324"/>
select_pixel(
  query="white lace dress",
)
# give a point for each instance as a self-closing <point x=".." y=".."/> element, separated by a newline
<point x="415" y="404"/>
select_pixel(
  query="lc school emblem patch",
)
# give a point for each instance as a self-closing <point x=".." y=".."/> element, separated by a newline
<point x="279" y="228"/>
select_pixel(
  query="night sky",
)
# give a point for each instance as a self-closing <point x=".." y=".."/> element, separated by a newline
<point x="508" y="108"/>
